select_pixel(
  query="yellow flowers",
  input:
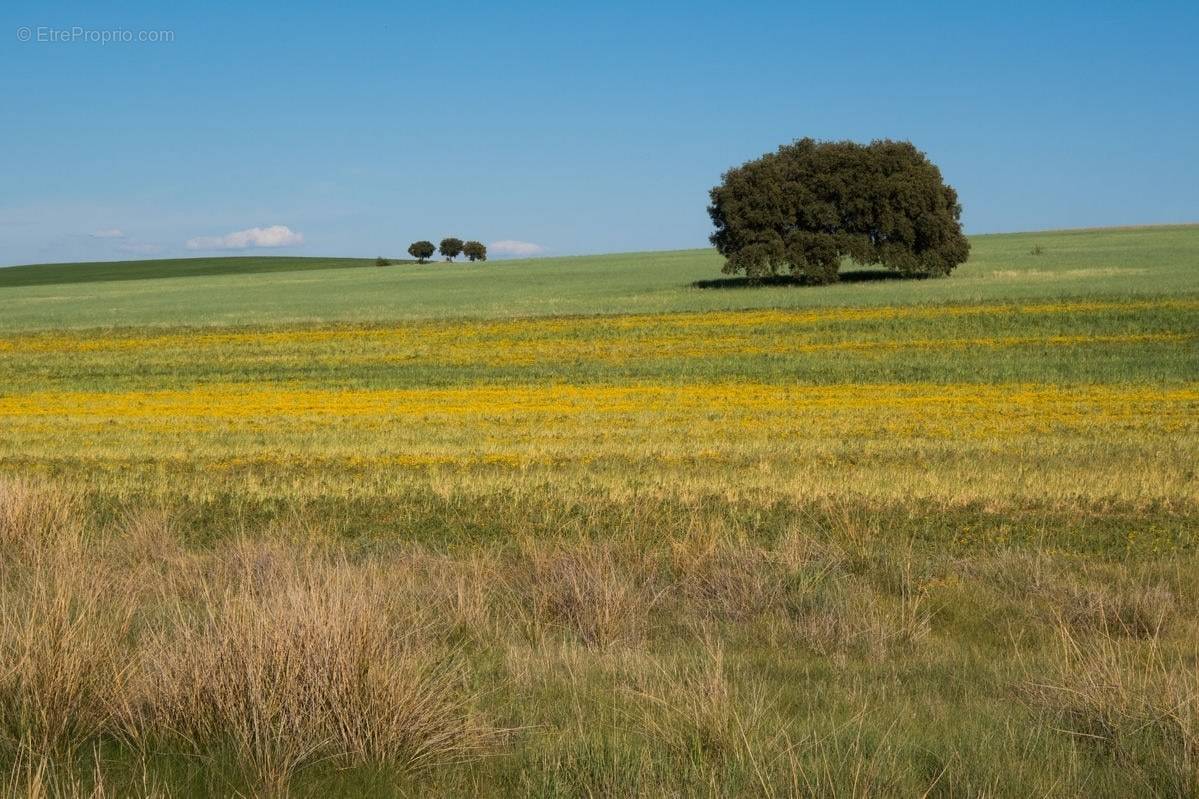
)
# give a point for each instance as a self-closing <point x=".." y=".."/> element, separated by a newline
<point x="614" y="339"/>
<point x="804" y="401"/>
<point x="751" y="408"/>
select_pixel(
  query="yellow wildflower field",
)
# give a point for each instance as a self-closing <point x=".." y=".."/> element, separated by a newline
<point x="796" y="401"/>
<point x="952" y="410"/>
<point x="1074" y="438"/>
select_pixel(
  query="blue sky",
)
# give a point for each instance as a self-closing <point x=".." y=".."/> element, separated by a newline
<point x="575" y="128"/>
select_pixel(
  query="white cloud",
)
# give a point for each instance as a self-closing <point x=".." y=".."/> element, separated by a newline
<point x="273" y="236"/>
<point x="510" y="247"/>
<point x="139" y="248"/>
<point x="109" y="233"/>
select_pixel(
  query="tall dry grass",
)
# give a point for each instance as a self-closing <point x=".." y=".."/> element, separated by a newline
<point x="64" y="648"/>
<point x="313" y="668"/>
<point x="699" y="711"/>
<point x="64" y="634"/>
<point x="33" y="775"/>
<point x="35" y="516"/>
<point x="596" y="591"/>
<point x="1130" y="700"/>
<point x="725" y="577"/>
<point x="276" y="657"/>
<point x="641" y="666"/>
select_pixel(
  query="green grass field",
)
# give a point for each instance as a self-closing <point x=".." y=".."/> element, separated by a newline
<point x="255" y="291"/>
<point x="603" y="525"/>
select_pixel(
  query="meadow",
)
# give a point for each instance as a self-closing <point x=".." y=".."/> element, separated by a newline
<point x="605" y="525"/>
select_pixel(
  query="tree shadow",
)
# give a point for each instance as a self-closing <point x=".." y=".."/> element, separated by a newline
<point x="852" y="276"/>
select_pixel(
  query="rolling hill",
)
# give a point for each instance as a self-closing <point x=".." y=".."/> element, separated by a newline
<point x="267" y="290"/>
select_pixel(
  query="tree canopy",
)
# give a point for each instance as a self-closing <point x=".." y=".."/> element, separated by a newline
<point x="804" y="208"/>
<point x="475" y="251"/>
<point x="451" y="248"/>
<point x="421" y="250"/>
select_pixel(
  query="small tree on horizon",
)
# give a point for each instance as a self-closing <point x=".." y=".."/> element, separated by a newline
<point x="475" y="251"/>
<point x="421" y="250"/>
<point x="451" y="248"/>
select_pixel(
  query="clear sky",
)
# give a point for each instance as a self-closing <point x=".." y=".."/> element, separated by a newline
<point x="573" y="128"/>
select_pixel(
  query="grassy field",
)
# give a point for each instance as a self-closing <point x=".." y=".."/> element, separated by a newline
<point x="1137" y="261"/>
<point x="108" y="271"/>
<point x="603" y="526"/>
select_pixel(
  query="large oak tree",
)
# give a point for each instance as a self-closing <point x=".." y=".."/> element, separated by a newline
<point x="804" y="208"/>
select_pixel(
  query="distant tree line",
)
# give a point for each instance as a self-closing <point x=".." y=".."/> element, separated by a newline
<point x="450" y="248"/>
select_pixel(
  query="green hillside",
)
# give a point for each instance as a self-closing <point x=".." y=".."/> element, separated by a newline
<point x="253" y="290"/>
<point x="105" y="271"/>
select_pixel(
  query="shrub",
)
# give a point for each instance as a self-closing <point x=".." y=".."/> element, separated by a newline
<point x="475" y="251"/>
<point x="451" y="248"/>
<point x="421" y="250"/>
<point x="811" y="204"/>
<point x="381" y="261"/>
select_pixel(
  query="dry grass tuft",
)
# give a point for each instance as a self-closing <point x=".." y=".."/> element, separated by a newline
<point x="293" y="670"/>
<point x="33" y="517"/>
<point x="35" y="776"/>
<point x="707" y="713"/>
<point x="1138" y="611"/>
<point x="273" y="654"/>
<point x="850" y="617"/>
<point x="594" y="591"/>
<point x="64" y="638"/>
<point x="148" y="534"/>
<point x="726" y="577"/>
<point x="452" y="593"/>
<point x="1131" y="701"/>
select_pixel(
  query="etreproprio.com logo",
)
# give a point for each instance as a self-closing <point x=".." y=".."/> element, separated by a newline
<point x="46" y="34"/>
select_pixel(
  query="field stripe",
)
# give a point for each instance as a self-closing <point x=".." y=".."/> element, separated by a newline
<point x="475" y="332"/>
<point x="912" y="406"/>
